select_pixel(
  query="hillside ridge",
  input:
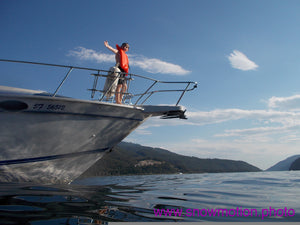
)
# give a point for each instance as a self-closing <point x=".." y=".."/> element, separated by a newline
<point x="134" y="159"/>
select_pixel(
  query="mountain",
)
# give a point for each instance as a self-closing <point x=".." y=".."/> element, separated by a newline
<point x="134" y="159"/>
<point x="284" y="164"/>
<point x="295" y="165"/>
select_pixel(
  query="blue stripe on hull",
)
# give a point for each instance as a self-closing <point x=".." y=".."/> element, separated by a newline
<point x="52" y="157"/>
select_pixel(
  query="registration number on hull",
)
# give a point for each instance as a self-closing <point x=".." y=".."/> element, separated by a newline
<point x="52" y="107"/>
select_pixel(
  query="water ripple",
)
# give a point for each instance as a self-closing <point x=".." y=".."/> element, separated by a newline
<point x="137" y="198"/>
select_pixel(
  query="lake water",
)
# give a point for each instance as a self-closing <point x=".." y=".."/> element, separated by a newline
<point x="226" y="197"/>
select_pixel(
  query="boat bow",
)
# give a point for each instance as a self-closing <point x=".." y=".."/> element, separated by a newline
<point x="49" y="138"/>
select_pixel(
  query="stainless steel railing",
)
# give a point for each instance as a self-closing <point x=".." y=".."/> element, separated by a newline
<point x="140" y="96"/>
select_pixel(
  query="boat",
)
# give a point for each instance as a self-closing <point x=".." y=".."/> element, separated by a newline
<point x="49" y="138"/>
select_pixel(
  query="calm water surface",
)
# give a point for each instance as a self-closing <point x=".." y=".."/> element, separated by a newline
<point x="195" y="197"/>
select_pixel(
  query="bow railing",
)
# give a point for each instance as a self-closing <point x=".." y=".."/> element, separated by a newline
<point x="139" y="88"/>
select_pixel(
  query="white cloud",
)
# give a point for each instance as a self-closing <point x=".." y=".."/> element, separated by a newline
<point x="150" y="65"/>
<point x="256" y="131"/>
<point x="89" y="54"/>
<point x="224" y="115"/>
<point x="287" y="103"/>
<point x="201" y="118"/>
<point x="266" y="124"/>
<point x="240" y="61"/>
<point x="143" y="131"/>
<point x="158" y="66"/>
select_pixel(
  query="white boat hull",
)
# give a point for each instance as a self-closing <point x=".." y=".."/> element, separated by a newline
<point x="47" y="139"/>
<point x="59" y="137"/>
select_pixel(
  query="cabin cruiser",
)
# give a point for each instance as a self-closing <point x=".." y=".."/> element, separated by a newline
<point x="49" y="138"/>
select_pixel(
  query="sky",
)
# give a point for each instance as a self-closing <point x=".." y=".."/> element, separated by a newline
<point x="245" y="56"/>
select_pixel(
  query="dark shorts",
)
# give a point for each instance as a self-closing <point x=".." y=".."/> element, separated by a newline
<point x="122" y="79"/>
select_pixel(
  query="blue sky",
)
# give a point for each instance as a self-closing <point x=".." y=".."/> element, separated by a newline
<point x="244" y="54"/>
